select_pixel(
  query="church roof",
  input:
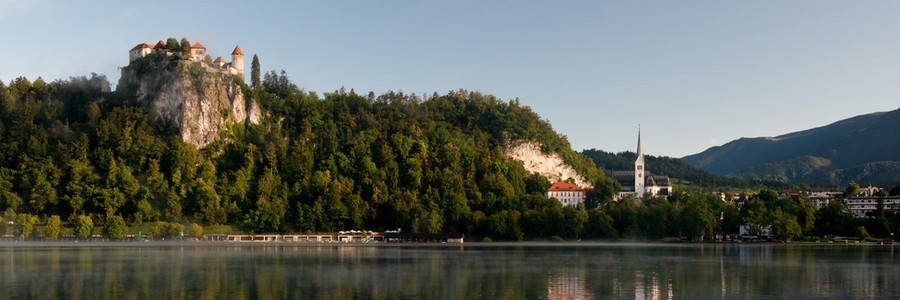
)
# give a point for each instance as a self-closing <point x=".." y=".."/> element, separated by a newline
<point x="562" y="186"/>
<point x="237" y="50"/>
<point x="626" y="178"/>
<point x="197" y="45"/>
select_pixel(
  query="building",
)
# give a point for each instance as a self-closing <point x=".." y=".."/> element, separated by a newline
<point x="865" y="206"/>
<point x="640" y="181"/>
<point x="567" y="193"/>
<point x="197" y="55"/>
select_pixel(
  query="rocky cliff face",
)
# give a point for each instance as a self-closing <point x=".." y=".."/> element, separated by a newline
<point x="548" y="165"/>
<point x="196" y="102"/>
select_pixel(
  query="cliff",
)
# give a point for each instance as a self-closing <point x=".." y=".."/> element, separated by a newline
<point x="196" y="102"/>
<point x="551" y="166"/>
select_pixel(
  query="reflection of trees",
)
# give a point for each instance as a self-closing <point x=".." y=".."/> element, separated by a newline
<point x="643" y="271"/>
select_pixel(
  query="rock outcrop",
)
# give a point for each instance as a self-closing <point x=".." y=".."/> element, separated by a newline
<point x="196" y="102"/>
<point x="551" y="166"/>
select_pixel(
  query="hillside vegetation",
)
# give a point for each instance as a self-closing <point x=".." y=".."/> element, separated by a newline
<point x="860" y="149"/>
<point x="313" y="164"/>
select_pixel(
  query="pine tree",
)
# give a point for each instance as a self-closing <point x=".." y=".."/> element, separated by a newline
<point x="254" y="72"/>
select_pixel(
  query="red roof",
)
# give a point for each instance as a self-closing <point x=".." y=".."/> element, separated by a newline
<point x="141" y="45"/>
<point x="160" y="45"/>
<point x="197" y="45"/>
<point x="563" y="186"/>
<point x="237" y="50"/>
<point x="219" y="60"/>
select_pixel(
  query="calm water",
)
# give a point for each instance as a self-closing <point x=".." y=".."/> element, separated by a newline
<point x="510" y="271"/>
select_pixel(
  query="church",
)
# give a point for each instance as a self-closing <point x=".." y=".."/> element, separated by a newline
<point x="640" y="181"/>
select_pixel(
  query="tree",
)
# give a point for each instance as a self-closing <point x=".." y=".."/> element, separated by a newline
<point x="25" y="225"/>
<point x="851" y="189"/>
<point x="52" y="228"/>
<point x="185" y="47"/>
<point x="115" y="228"/>
<point x="785" y="226"/>
<point x="172" y="44"/>
<point x="196" y="230"/>
<point x="254" y="72"/>
<point x="84" y="227"/>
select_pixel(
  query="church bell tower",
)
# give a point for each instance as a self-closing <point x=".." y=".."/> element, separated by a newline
<point x="639" y="170"/>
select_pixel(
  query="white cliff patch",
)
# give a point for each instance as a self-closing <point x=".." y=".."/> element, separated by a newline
<point x="551" y="166"/>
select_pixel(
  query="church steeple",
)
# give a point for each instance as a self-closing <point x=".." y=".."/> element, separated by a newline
<point x="639" y="178"/>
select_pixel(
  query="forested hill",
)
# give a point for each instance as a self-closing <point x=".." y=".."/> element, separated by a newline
<point x="861" y="149"/>
<point x="682" y="173"/>
<point x="313" y="164"/>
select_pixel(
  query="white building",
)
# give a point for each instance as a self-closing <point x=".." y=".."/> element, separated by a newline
<point x="862" y="206"/>
<point x="566" y="193"/>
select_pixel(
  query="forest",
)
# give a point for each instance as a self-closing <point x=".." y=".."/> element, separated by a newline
<point x="77" y="155"/>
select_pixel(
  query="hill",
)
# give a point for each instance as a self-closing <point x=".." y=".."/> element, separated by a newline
<point x="303" y="163"/>
<point x="861" y="149"/>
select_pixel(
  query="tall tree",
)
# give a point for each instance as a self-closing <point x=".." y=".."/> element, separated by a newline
<point x="254" y="72"/>
<point x="185" y="47"/>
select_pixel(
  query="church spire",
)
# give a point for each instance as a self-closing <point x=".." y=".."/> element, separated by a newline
<point x="639" y="152"/>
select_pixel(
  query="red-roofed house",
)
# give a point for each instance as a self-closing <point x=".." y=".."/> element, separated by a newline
<point x="567" y="193"/>
<point x="197" y="52"/>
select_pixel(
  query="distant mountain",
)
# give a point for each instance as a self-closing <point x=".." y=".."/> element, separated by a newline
<point x="865" y="149"/>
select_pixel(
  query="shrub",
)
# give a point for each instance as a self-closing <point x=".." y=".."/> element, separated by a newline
<point x="53" y="227"/>
<point x="84" y="227"/>
<point x="25" y="225"/>
<point x="196" y="230"/>
<point x="166" y="230"/>
<point x="115" y="228"/>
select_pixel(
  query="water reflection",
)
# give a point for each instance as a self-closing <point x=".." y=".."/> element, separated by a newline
<point x="542" y="271"/>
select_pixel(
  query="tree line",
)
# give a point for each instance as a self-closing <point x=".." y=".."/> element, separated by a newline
<point x="75" y="154"/>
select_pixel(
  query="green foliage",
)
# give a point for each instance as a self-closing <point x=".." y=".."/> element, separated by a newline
<point x="25" y="225"/>
<point x="195" y="230"/>
<point x="162" y="230"/>
<point x="115" y="228"/>
<point x="84" y="227"/>
<point x="52" y="228"/>
<point x="254" y="72"/>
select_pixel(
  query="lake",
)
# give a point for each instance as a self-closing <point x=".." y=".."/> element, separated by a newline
<point x="447" y="271"/>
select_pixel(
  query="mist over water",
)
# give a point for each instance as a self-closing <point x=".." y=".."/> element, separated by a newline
<point x="495" y="271"/>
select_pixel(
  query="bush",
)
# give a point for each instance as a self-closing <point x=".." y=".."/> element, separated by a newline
<point x="53" y="227"/>
<point x="115" y="228"/>
<point x="166" y="230"/>
<point x="557" y="238"/>
<point x="84" y="227"/>
<point x="196" y="230"/>
<point x="25" y="225"/>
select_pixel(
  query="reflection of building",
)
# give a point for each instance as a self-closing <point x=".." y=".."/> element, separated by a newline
<point x="565" y="192"/>
<point x="862" y="206"/>
<point x="565" y="285"/>
<point x="641" y="181"/>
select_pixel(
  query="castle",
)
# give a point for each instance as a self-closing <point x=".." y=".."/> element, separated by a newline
<point x="197" y="55"/>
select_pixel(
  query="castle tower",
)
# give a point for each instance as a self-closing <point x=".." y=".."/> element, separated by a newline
<point x="198" y="52"/>
<point x="237" y="61"/>
<point x="639" y="169"/>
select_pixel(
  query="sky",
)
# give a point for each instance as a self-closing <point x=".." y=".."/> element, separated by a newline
<point x="690" y="74"/>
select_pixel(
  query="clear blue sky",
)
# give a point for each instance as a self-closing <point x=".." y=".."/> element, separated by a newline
<point x="693" y="74"/>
